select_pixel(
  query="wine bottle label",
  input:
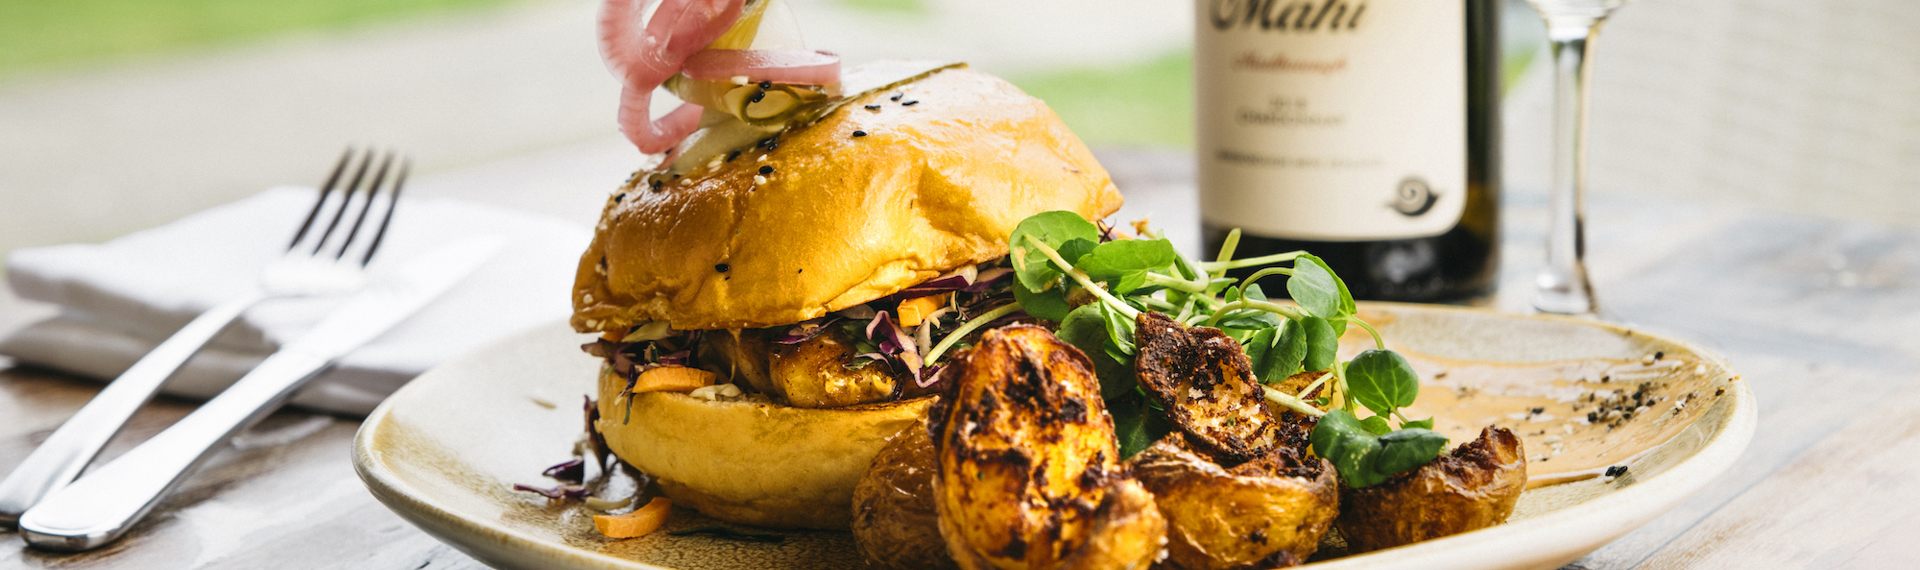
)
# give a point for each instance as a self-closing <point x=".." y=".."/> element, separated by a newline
<point x="1332" y="120"/>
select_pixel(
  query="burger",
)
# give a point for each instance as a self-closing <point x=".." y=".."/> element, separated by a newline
<point x="773" y="306"/>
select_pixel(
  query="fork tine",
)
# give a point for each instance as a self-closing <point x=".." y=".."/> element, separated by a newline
<point x="373" y="190"/>
<point x="346" y="199"/>
<point x="393" y="203"/>
<point x="319" y="203"/>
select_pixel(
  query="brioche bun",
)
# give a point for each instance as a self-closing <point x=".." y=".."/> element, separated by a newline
<point x="752" y="462"/>
<point x="838" y="220"/>
<point x="817" y="221"/>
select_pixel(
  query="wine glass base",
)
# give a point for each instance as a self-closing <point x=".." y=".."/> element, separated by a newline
<point x="1563" y="302"/>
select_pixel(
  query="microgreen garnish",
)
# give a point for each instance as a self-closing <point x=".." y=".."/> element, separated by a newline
<point x="1067" y="271"/>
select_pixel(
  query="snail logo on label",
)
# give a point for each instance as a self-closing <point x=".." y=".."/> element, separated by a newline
<point x="1413" y="197"/>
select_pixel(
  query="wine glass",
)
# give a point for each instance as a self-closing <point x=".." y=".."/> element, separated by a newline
<point x="1562" y="287"/>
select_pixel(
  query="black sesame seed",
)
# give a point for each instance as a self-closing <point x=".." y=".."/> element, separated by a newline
<point x="766" y="170"/>
<point x="1616" y="470"/>
<point x="1659" y="355"/>
<point x="722" y="268"/>
<point x="766" y="85"/>
<point x="757" y="97"/>
<point x="766" y="142"/>
<point x="859" y="133"/>
<point x="873" y="107"/>
<point x="733" y="155"/>
<point x="897" y="96"/>
<point x="800" y="271"/>
<point x="656" y="185"/>
<point x="618" y="197"/>
<point x="1538" y="411"/>
<point x="909" y="103"/>
<point x="676" y="177"/>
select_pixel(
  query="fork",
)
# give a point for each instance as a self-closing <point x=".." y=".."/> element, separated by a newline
<point x="315" y="263"/>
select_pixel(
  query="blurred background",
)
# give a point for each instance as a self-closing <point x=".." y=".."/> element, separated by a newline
<point x="117" y="115"/>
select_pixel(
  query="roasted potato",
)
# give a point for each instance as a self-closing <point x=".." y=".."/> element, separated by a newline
<point x="1267" y="513"/>
<point x="813" y="374"/>
<point x="1030" y="476"/>
<point x="1206" y="383"/>
<point x="1475" y="486"/>
<point x="895" y="523"/>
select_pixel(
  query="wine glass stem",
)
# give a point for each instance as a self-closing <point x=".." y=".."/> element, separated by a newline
<point x="1562" y="285"/>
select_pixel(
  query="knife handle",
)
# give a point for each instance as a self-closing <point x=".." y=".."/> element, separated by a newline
<point x="66" y="453"/>
<point x="100" y="507"/>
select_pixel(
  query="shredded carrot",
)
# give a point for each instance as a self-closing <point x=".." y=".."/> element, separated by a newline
<point x="637" y="523"/>
<point x="672" y="379"/>
<point x="914" y="311"/>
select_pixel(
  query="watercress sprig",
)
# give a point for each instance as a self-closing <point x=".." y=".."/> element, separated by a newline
<point x="1095" y="288"/>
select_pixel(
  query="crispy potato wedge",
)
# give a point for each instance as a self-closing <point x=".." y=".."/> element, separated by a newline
<point x="1475" y="486"/>
<point x="1206" y="383"/>
<point x="1267" y="513"/>
<point x="895" y="523"/>
<point x="813" y="374"/>
<point x="1030" y="476"/>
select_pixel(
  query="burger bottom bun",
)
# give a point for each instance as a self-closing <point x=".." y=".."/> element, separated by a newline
<point x="751" y="463"/>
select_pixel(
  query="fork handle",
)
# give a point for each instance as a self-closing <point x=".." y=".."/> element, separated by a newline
<point x="71" y="447"/>
<point x="99" y="508"/>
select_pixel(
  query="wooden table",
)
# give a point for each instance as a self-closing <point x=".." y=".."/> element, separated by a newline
<point x="1821" y="317"/>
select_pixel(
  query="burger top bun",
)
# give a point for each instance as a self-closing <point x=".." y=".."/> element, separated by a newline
<point x="878" y="195"/>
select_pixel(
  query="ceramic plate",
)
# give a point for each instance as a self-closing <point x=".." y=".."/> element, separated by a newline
<point x="444" y="451"/>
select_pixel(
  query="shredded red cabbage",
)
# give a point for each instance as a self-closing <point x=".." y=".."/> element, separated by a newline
<point x="600" y="449"/>
<point x="571" y="471"/>
<point x="986" y="279"/>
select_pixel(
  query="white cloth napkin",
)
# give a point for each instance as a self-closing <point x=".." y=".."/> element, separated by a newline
<point x="120" y="299"/>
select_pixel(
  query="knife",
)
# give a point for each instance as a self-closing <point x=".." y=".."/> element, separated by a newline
<point x="98" y="508"/>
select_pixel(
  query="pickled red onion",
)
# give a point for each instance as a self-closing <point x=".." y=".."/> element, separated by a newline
<point x="644" y="61"/>
<point x="675" y="40"/>
<point x="796" y="67"/>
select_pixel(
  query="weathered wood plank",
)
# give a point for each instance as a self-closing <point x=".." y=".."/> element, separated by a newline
<point x="1850" y="501"/>
<point x="283" y="495"/>
<point x="1805" y="308"/>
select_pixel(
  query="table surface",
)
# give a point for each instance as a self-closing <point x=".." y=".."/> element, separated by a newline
<point x="1817" y="314"/>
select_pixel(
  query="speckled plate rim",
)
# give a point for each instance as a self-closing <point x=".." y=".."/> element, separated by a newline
<point x="1545" y="541"/>
<point x="1557" y="538"/>
<point x="490" y="543"/>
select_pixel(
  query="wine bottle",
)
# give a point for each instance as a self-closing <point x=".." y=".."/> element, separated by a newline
<point x="1365" y="132"/>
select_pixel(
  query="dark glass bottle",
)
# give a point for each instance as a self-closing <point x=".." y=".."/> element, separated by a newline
<point x="1330" y="166"/>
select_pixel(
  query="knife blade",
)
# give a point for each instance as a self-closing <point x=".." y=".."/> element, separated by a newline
<point x="100" y="506"/>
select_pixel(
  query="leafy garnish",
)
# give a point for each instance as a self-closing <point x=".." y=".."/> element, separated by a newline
<point x="1365" y="457"/>
<point x="1095" y="290"/>
<point x="1123" y="264"/>
<point x="1054" y="229"/>
<point x="1382" y="381"/>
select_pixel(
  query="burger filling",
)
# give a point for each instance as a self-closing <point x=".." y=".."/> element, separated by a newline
<point x="884" y="350"/>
